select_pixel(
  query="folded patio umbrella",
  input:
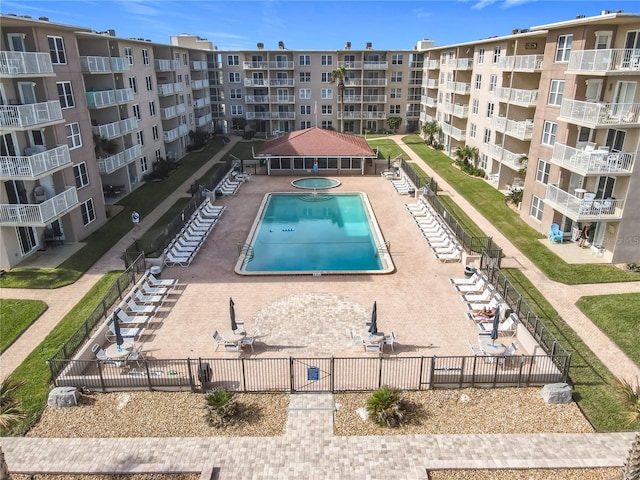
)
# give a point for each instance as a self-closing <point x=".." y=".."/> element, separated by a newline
<point x="232" y="313"/>
<point x="116" y="330"/>
<point x="496" y="324"/>
<point x="373" y="328"/>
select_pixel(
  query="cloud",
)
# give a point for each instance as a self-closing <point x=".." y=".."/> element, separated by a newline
<point x="139" y="7"/>
<point x="422" y="12"/>
<point x="483" y="3"/>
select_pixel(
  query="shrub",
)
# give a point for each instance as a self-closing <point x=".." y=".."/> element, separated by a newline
<point x="514" y="198"/>
<point x="10" y="406"/>
<point x="386" y="407"/>
<point x="633" y="267"/>
<point x="222" y="408"/>
<point x="631" y="396"/>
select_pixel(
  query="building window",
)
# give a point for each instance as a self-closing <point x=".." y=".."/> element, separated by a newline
<point x="65" y="95"/>
<point x="145" y="56"/>
<point x="305" y="60"/>
<point x="327" y="110"/>
<point x="441" y="78"/>
<point x="537" y="207"/>
<point x="81" y="175"/>
<point x="396" y="76"/>
<point x="326" y="60"/>
<point x="327" y="124"/>
<point x="305" y="77"/>
<point x="478" y="83"/>
<point x="483" y="161"/>
<point x="140" y="137"/>
<point x="236" y="110"/>
<point x="475" y="105"/>
<point x="305" y="109"/>
<point x="396" y="59"/>
<point x="186" y="79"/>
<point x="56" y="50"/>
<point x="88" y="212"/>
<point x="472" y="131"/>
<point x="154" y="132"/>
<point x="496" y="53"/>
<point x="152" y="108"/>
<point x="185" y="59"/>
<point x="305" y="93"/>
<point x="563" y="48"/>
<point x="190" y="118"/>
<point x="326" y="93"/>
<point x="493" y="81"/>
<point x="128" y="53"/>
<point x="394" y="109"/>
<point x="556" y="88"/>
<point x="326" y="77"/>
<point x="487" y="136"/>
<point x="542" y="172"/>
<point x="233" y="60"/>
<point x="480" y="56"/>
<point x="136" y="111"/>
<point x="396" y="93"/>
<point x="305" y="124"/>
<point x="133" y="84"/>
<point x="189" y="101"/>
<point x="149" y="81"/>
<point x="74" y="140"/>
<point x="144" y="166"/>
<point x="549" y="133"/>
<point x="235" y="93"/>
<point x="490" y="109"/>
<point x="158" y="154"/>
<point x="234" y="77"/>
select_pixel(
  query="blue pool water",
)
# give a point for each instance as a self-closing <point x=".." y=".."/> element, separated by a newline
<point x="315" y="233"/>
<point x="315" y="182"/>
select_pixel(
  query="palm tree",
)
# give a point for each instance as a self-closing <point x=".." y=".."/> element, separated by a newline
<point x="523" y="161"/>
<point x="466" y="153"/>
<point x="431" y="129"/>
<point x="339" y="75"/>
<point x="10" y="407"/>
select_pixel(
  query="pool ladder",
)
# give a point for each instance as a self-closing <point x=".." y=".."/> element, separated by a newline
<point x="384" y="248"/>
<point x="246" y="249"/>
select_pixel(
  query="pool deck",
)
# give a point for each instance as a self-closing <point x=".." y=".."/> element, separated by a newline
<point x="417" y="301"/>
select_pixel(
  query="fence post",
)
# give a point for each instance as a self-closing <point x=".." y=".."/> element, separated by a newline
<point x="291" y="375"/>
<point x="191" y="381"/>
<point x="99" y="367"/>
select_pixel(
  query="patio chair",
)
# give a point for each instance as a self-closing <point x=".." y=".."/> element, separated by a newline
<point x="137" y="356"/>
<point x="248" y="340"/>
<point x="128" y="334"/>
<point x="218" y="339"/>
<point x="390" y="339"/>
<point x="100" y="353"/>
<point x="148" y="299"/>
<point x="476" y="350"/>
<point x="126" y="319"/>
<point x="139" y="309"/>
<point x="479" y="286"/>
<point x="467" y="281"/>
<point x="456" y="256"/>
<point x="508" y="327"/>
<point x="485" y="296"/>
<point x="164" y="282"/>
<point x="555" y="234"/>
<point x="172" y="259"/>
<point x="372" y="348"/>
<point x="148" y="289"/>
<point x="355" y="339"/>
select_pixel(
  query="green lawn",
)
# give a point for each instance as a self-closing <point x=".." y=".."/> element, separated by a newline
<point x="617" y="316"/>
<point x="34" y="370"/>
<point x="591" y="380"/>
<point x="386" y="148"/>
<point x="17" y="316"/>
<point x="491" y="204"/>
<point x="148" y="240"/>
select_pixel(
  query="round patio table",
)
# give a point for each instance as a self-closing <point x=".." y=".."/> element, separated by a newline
<point x="492" y="347"/>
<point x="125" y="350"/>
<point x="233" y="336"/>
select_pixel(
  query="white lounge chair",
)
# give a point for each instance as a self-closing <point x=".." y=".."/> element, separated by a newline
<point x="147" y="289"/>
<point x="508" y="327"/>
<point x="129" y="334"/>
<point x="467" y="281"/>
<point x="126" y="319"/>
<point x="486" y="295"/>
<point x="172" y="259"/>
<point x="450" y="257"/>
<point x="479" y="286"/>
<point x="148" y="299"/>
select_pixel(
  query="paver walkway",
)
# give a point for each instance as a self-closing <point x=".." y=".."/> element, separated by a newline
<point x="309" y="449"/>
<point x="562" y="297"/>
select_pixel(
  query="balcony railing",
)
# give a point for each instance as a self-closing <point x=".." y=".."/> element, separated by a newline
<point x="34" y="166"/>
<point x="374" y="98"/>
<point x="518" y="129"/>
<point x="516" y="96"/>
<point x="199" y="84"/>
<point x="431" y="83"/>
<point x="433" y="64"/>
<point x="453" y="132"/>
<point x="522" y="63"/>
<point x="594" y="114"/>
<point x="163" y="65"/>
<point x="25" y="63"/>
<point x="611" y="60"/>
<point x="111" y="164"/>
<point x="165" y="89"/>
<point x="265" y="65"/>
<point x="198" y="65"/>
<point x="460" y="111"/>
<point x="106" y="98"/>
<point x="181" y="108"/>
<point x="168" y="112"/>
<point x="270" y="115"/>
<point x="430" y="102"/>
<point x="115" y="129"/>
<point x="281" y="82"/>
<point x="369" y="65"/>
<point x="459" y="87"/>
<point x="201" y="102"/>
<point x="593" y="162"/>
<point x="362" y="115"/>
<point x="580" y="209"/>
<point x="416" y="64"/>
<point x="425" y="117"/>
<point x="39" y="214"/>
<point x="30" y="115"/>
<point x="204" y="120"/>
<point x="175" y="134"/>
<point x="93" y="64"/>
<point x="367" y="82"/>
<point x="506" y="157"/>
<point x="460" y="63"/>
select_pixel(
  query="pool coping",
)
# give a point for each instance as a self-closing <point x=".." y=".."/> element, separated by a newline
<point x="315" y="178"/>
<point x="382" y="244"/>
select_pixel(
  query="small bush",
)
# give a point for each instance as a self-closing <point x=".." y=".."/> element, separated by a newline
<point x="515" y="197"/>
<point x="631" y="396"/>
<point x="222" y="408"/>
<point x="386" y="407"/>
<point x="633" y="267"/>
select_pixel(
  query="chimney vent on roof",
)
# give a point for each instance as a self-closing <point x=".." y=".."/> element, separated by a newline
<point x="44" y="19"/>
<point x="281" y="45"/>
<point x="524" y="30"/>
<point x="111" y="32"/>
<point x="605" y="12"/>
<point x="580" y="16"/>
<point x="26" y="16"/>
<point x="347" y="46"/>
<point x="514" y="31"/>
<point x="369" y="45"/>
<point x="260" y="46"/>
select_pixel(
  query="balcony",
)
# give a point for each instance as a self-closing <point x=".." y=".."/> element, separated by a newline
<point x="460" y="63"/>
<point x="431" y="83"/>
<point x="167" y="65"/>
<point x="460" y="111"/>
<point x="270" y="115"/>
<point x="34" y="166"/>
<point x="579" y="209"/>
<point x="425" y="117"/>
<point x="430" y="102"/>
<point x="367" y="82"/>
<point x="198" y="65"/>
<point x="351" y="65"/>
<point x="521" y="130"/>
<point x="168" y="112"/>
<point x="367" y="65"/>
<point x="433" y="64"/>
<point x="281" y="82"/>
<point x="107" y="98"/>
<point x="181" y="108"/>
<point x="595" y="114"/>
<point x="175" y="134"/>
<point x="592" y="162"/>
<point x="201" y="102"/>
<point x="504" y="156"/>
<point x="606" y="61"/>
<point x="111" y="164"/>
<point x="521" y="63"/>
<point x="516" y="96"/>
<point x="459" y="87"/>
<point x="419" y="64"/>
<point x="116" y="129"/>
<point x="166" y="89"/>
<point x="351" y="99"/>
<point x="104" y="64"/>
<point x="204" y="120"/>
<point x="40" y="214"/>
<point x="362" y="115"/>
<point x="266" y="65"/>
<point x="374" y="98"/>
<point x="31" y="64"/>
<point x="453" y="132"/>
<point x="18" y="117"/>
<point x="199" y="84"/>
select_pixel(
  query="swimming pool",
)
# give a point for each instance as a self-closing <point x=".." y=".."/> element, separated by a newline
<point x="314" y="233"/>
<point x="315" y="183"/>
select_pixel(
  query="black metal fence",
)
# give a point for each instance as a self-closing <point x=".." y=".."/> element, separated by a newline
<point x="418" y="179"/>
<point x="99" y="314"/>
<point x="328" y="374"/>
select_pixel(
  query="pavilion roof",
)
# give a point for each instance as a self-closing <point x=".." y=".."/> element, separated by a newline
<point x="316" y="142"/>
